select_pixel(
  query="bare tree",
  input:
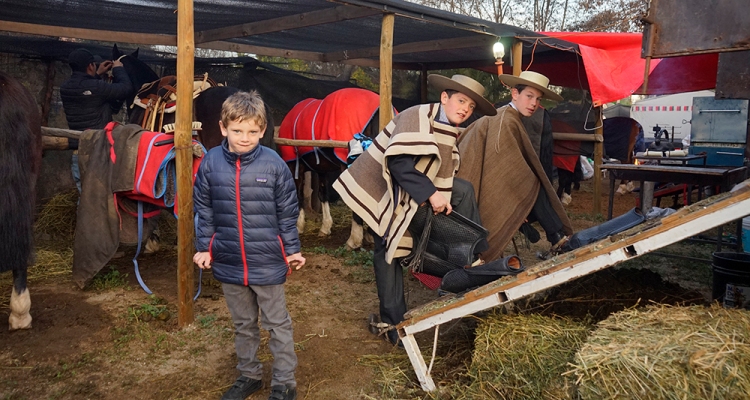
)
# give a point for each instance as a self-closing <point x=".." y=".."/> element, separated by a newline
<point x="611" y="15"/>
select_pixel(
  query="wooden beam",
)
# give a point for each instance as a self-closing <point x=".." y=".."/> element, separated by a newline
<point x="311" y="143"/>
<point x="312" y="18"/>
<point x="386" y="71"/>
<point x="55" y="143"/>
<point x="89" y="34"/>
<point x="517" y="57"/>
<point x="266" y="51"/>
<point x="184" y="162"/>
<point x="584" y="137"/>
<point x="68" y="133"/>
<point x="484" y="41"/>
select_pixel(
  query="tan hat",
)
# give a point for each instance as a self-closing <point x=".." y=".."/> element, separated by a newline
<point x="533" y="79"/>
<point x="464" y="84"/>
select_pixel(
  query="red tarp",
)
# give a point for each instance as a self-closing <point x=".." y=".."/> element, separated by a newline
<point x="614" y="67"/>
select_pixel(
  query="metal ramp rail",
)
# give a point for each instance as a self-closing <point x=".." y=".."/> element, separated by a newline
<point x="649" y="236"/>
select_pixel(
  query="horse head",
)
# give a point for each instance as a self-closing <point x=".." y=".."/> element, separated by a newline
<point x="138" y="71"/>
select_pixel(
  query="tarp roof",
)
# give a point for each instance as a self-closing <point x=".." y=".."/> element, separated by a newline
<point x="345" y="30"/>
<point x="607" y="64"/>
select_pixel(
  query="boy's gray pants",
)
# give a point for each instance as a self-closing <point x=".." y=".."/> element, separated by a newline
<point x="244" y="303"/>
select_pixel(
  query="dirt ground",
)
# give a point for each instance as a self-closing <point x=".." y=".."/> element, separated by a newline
<point x="113" y="341"/>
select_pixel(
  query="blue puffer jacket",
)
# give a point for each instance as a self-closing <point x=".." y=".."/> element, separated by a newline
<point x="246" y="214"/>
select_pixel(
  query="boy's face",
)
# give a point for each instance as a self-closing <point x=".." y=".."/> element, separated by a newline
<point x="527" y="100"/>
<point x="242" y="136"/>
<point x="458" y="107"/>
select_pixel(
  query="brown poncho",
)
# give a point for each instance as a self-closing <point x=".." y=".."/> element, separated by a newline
<point x="500" y="162"/>
<point x="367" y="187"/>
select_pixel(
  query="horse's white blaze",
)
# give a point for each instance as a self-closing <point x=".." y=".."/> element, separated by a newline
<point x="325" y="226"/>
<point x="355" y="238"/>
<point x="301" y="221"/>
<point x="20" y="304"/>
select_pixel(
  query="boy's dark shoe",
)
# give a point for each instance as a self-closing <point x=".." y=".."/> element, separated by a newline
<point x="243" y="387"/>
<point x="283" y="392"/>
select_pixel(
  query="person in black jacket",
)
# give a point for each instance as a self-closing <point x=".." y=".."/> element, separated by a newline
<point x="88" y="100"/>
<point x="246" y="232"/>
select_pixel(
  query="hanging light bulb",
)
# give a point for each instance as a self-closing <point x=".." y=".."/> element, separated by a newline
<point x="498" y="50"/>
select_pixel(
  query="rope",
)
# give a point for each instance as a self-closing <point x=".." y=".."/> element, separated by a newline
<point x="434" y="349"/>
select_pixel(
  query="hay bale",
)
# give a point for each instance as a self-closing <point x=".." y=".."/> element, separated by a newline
<point x="664" y="352"/>
<point x="524" y="356"/>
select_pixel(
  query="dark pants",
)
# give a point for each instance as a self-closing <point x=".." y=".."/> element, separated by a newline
<point x="389" y="277"/>
<point x="543" y="213"/>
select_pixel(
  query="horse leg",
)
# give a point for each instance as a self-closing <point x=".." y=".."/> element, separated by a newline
<point x="357" y="233"/>
<point x="325" y="226"/>
<point x="20" y="302"/>
<point x="299" y="183"/>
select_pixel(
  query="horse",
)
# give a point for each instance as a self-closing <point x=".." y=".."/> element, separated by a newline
<point x="339" y="116"/>
<point x="20" y="163"/>
<point x="206" y="106"/>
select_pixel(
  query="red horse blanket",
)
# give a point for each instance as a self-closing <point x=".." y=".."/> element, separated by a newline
<point x="341" y="115"/>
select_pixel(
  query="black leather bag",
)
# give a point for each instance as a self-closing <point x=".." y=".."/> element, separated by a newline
<point x="442" y="242"/>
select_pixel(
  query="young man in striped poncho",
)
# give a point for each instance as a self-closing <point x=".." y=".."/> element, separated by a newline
<point x="411" y="162"/>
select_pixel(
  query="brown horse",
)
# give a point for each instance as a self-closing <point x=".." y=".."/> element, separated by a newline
<point x="20" y="162"/>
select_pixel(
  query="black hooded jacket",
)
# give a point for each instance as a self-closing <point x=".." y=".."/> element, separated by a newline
<point x="89" y="101"/>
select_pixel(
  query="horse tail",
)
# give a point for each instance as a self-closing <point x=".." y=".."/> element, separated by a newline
<point x="20" y="161"/>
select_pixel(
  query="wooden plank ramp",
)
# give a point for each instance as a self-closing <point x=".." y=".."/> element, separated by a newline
<point x="649" y="236"/>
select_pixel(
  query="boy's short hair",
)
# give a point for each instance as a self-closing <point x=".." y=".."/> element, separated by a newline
<point x="244" y="105"/>
<point x="520" y="87"/>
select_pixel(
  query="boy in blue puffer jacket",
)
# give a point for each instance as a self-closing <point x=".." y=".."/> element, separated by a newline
<point x="245" y="230"/>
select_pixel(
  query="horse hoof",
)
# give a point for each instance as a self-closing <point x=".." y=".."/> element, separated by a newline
<point x="15" y="323"/>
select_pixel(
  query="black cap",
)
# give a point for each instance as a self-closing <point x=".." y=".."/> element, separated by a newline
<point x="80" y="59"/>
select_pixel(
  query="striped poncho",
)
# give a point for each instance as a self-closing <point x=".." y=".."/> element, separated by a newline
<point x="368" y="188"/>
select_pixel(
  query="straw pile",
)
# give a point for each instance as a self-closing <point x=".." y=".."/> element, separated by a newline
<point x="524" y="356"/>
<point x="57" y="218"/>
<point x="664" y="352"/>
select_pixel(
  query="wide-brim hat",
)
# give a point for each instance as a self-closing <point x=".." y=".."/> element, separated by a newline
<point x="464" y="84"/>
<point x="533" y="79"/>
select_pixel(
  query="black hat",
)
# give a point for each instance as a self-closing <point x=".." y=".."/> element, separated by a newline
<point x="79" y="59"/>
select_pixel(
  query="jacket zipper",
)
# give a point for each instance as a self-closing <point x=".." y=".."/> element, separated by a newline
<point x="239" y="222"/>
<point x="283" y="254"/>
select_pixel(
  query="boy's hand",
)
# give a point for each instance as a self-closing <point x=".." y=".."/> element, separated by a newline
<point x="440" y="203"/>
<point x="295" y="260"/>
<point x="203" y="259"/>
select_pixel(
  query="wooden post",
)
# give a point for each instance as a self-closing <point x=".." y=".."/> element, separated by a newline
<point x="517" y="57"/>
<point x="422" y="86"/>
<point x="184" y="158"/>
<point x="598" y="154"/>
<point x="48" y="89"/>
<point x="386" y="70"/>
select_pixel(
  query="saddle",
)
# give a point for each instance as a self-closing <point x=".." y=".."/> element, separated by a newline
<point x="160" y="97"/>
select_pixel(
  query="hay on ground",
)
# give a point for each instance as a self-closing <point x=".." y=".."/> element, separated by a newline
<point x="57" y="218"/>
<point x="666" y="352"/>
<point x="523" y="357"/>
